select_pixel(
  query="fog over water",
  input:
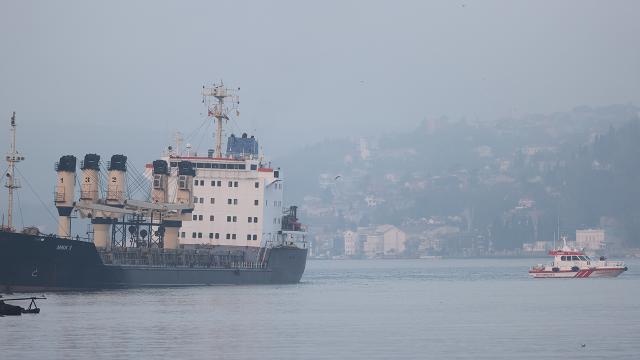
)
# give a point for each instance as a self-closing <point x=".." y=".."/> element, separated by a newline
<point x="361" y="309"/>
<point x="121" y="77"/>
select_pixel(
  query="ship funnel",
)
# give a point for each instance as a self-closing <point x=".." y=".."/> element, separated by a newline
<point x="159" y="193"/>
<point x="186" y="173"/>
<point x="64" y="193"/>
<point x="116" y="182"/>
<point x="184" y="195"/>
<point x="90" y="178"/>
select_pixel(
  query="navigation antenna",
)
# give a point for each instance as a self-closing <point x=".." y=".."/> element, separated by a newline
<point x="214" y="97"/>
<point x="12" y="158"/>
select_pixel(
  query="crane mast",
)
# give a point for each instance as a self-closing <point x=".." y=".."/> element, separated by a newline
<point x="215" y="96"/>
<point x="12" y="158"/>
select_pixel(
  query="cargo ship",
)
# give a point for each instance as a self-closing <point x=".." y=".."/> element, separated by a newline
<point x="205" y="220"/>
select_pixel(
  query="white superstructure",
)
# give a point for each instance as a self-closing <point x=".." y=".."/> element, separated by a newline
<point x="236" y="202"/>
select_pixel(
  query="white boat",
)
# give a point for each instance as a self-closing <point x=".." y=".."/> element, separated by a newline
<point x="572" y="263"/>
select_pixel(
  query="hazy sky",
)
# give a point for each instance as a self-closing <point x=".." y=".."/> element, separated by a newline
<point x="121" y="76"/>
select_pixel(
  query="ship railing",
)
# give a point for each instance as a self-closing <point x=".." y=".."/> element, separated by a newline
<point x="179" y="258"/>
<point x="114" y="194"/>
<point x="88" y="195"/>
<point x="612" y="263"/>
<point x="59" y="194"/>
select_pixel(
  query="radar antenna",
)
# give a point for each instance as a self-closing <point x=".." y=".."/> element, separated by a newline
<point x="214" y="97"/>
<point x="12" y="183"/>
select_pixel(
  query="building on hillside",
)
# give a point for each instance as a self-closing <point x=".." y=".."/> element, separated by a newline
<point x="540" y="247"/>
<point x="375" y="241"/>
<point x="350" y="243"/>
<point x="590" y="239"/>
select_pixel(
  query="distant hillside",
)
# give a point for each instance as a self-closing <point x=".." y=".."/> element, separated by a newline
<point x="508" y="180"/>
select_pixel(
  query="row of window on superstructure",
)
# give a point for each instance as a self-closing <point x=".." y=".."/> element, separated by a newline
<point x="208" y="165"/>
<point x="230" y="201"/>
<point x="218" y="183"/>
<point x="230" y="218"/>
<point x="228" y="236"/>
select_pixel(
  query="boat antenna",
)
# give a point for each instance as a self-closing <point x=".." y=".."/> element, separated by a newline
<point x="12" y="158"/>
<point x="214" y="97"/>
<point x="555" y="233"/>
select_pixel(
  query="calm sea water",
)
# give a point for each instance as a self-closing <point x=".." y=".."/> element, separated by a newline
<point x="384" y="309"/>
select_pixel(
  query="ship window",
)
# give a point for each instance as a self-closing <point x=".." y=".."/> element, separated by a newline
<point x="228" y="236"/>
<point x="207" y="166"/>
<point x="228" y="218"/>
<point x="211" y="218"/>
<point x="200" y="217"/>
<point x="254" y="167"/>
<point x="219" y="183"/>
<point x="230" y="183"/>
<point x="214" y="166"/>
<point x="235" y="219"/>
<point x="255" y="220"/>
<point x="235" y="184"/>
<point x="199" y="235"/>
<point x="193" y="235"/>
<point x="255" y="237"/>
<point x="223" y="166"/>
<point x="257" y="184"/>
<point x="212" y="200"/>
<point x="174" y="164"/>
<point x="574" y="258"/>
<point x="195" y="217"/>
<point x="233" y="236"/>
<point x="248" y="237"/>
<point x="210" y="235"/>
<point x="255" y="202"/>
<point x="250" y="219"/>
<point x="217" y="235"/>
<point x="563" y="258"/>
<point x="242" y="166"/>
<point x="200" y="165"/>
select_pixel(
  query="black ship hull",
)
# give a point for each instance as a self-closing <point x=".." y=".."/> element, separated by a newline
<point x="30" y="263"/>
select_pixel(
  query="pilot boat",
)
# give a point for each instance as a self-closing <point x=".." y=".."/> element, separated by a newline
<point x="572" y="263"/>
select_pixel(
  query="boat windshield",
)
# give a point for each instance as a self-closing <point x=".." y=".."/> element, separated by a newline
<point x="575" y="258"/>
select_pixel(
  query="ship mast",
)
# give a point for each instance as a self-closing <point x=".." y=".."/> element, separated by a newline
<point x="217" y="108"/>
<point x="12" y="158"/>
